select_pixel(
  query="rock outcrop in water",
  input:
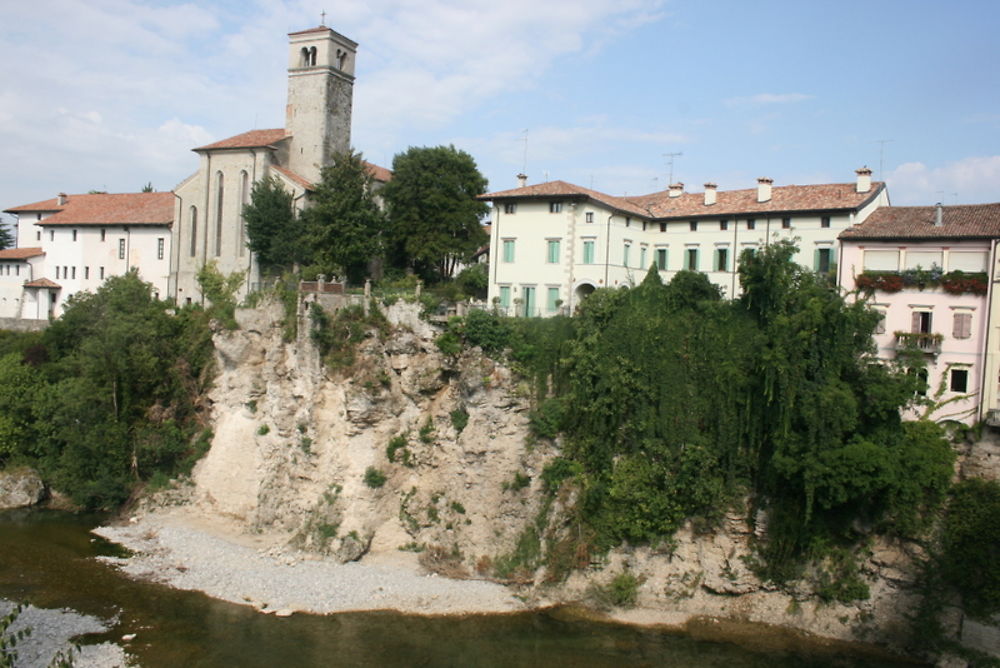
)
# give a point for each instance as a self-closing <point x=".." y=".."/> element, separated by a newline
<point x="20" y="488"/>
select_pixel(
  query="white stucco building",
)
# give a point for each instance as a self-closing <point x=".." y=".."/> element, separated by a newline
<point x="76" y="242"/>
<point x="932" y="273"/>
<point x="553" y="243"/>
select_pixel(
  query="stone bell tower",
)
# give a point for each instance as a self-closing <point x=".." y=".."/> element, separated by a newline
<point x="320" y="93"/>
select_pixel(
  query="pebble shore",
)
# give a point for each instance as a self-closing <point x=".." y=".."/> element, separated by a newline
<point x="52" y="631"/>
<point x="282" y="582"/>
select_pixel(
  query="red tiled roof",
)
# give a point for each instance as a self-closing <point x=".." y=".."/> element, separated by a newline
<point x="378" y="173"/>
<point x="564" y="189"/>
<point x="20" y="253"/>
<point x="107" y="209"/>
<point x="976" y="221"/>
<point x="658" y="205"/>
<point x="252" y="139"/>
<point x="42" y="283"/>
<point x="292" y="176"/>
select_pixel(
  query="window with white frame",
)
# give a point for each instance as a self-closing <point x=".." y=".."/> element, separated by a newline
<point x="588" y="251"/>
<point x="510" y="208"/>
<point x="661" y="259"/>
<point x="691" y="261"/>
<point x="555" y="207"/>
<point x="589" y="216"/>
<point x="508" y="250"/>
<point x="722" y="259"/>
<point x="552" y="251"/>
<point x="552" y="299"/>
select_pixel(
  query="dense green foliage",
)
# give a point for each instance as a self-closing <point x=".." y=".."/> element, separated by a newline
<point x="434" y="215"/>
<point x="682" y="403"/>
<point x="273" y="230"/>
<point x="105" y="399"/>
<point x="970" y="560"/>
<point x="344" y="223"/>
<point x="6" y="236"/>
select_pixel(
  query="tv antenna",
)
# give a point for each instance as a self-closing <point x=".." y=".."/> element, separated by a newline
<point x="524" y="163"/>
<point x="881" y="154"/>
<point x="670" y="163"/>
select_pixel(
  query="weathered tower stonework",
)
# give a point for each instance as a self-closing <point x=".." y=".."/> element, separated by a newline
<point x="320" y="93"/>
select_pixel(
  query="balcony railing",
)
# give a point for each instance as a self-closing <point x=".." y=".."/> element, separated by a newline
<point x="923" y="341"/>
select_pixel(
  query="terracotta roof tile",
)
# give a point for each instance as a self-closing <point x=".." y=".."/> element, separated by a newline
<point x="378" y="173"/>
<point x="106" y="209"/>
<point x="251" y="139"/>
<point x="20" y="253"/>
<point x="728" y="202"/>
<point x="553" y="189"/>
<point x="974" y="221"/>
<point x="292" y="176"/>
<point x="42" y="283"/>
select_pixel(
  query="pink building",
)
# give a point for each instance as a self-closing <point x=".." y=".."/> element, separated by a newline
<point x="931" y="272"/>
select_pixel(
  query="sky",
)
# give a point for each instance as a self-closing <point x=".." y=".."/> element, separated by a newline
<point x="622" y="96"/>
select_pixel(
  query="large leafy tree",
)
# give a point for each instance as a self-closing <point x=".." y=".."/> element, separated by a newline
<point x="433" y="211"/>
<point x="344" y="222"/>
<point x="274" y="232"/>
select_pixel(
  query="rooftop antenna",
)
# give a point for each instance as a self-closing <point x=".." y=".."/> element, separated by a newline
<point x="881" y="154"/>
<point x="652" y="185"/>
<point x="524" y="162"/>
<point x="670" y="162"/>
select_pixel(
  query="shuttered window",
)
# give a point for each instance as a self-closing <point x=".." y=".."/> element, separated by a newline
<point x="882" y="260"/>
<point x="962" y="326"/>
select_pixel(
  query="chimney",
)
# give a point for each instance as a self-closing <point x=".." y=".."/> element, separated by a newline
<point x="522" y="180"/>
<point x="764" y="189"/>
<point x="710" y="189"/>
<point x="676" y="189"/>
<point x="938" y="215"/>
<point x="61" y="199"/>
<point x="864" y="179"/>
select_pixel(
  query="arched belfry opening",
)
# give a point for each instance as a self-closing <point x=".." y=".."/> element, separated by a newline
<point x="308" y="56"/>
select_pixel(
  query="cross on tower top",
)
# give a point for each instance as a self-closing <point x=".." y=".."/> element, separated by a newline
<point x="322" y="18"/>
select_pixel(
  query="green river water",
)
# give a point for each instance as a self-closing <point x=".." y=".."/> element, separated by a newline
<point x="47" y="559"/>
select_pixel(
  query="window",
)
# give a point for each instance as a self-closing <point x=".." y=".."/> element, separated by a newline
<point x="663" y="227"/>
<point x="786" y="223"/>
<point x="589" y="216"/>
<point x="625" y="252"/>
<point x="38" y="235"/>
<point x="194" y="231"/>
<point x="552" y="251"/>
<point x="74" y="235"/>
<point x="552" y="300"/>
<point x="220" y="191"/>
<point x="103" y="233"/>
<point x="505" y="296"/>
<point x="722" y="259"/>
<point x="881" y="260"/>
<point x="528" y="305"/>
<point x="102" y="273"/>
<point x="692" y="259"/>
<point x="17" y="269"/>
<point x="508" y="250"/>
<point x="723" y="225"/>
<point x="824" y="221"/>
<point x="588" y="251"/>
<point x="57" y="272"/>
<point x="121" y="249"/>
<point x="880" y="327"/>
<point x="823" y="260"/>
<point x="959" y="380"/>
<point x="661" y="259"/>
<point x="244" y="200"/>
<point x="643" y="252"/>
<point x="159" y="248"/>
<point x="920" y="322"/>
<point x="555" y="207"/>
<point x="628" y="221"/>
<point x="962" y="326"/>
<point x="510" y="207"/>
<point x="52" y="235"/>
<point x="73" y="272"/>
<point x="86" y="272"/>
<point x="65" y="271"/>
<point x="751" y="223"/>
<point x="693" y="225"/>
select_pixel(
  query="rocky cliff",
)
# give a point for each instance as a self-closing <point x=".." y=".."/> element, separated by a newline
<point x="413" y="450"/>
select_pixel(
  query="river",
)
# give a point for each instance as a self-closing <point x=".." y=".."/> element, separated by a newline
<point x="47" y="559"/>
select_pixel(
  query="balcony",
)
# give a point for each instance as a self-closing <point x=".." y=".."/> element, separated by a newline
<point x="923" y="341"/>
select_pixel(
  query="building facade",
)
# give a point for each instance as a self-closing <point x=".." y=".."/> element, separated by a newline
<point x="931" y="272"/>
<point x="552" y="244"/>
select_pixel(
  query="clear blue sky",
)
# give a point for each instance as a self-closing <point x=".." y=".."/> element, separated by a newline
<point x="111" y="94"/>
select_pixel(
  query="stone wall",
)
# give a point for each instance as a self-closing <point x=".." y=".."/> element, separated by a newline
<point x="23" y="324"/>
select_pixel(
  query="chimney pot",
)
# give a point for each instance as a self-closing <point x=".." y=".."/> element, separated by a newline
<point x="522" y="180"/>
<point x="864" y="179"/>
<point x="938" y="215"/>
<point x="764" y="189"/>
<point x="61" y="199"/>
<point x="676" y="189"/>
<point x="710" y="193"/>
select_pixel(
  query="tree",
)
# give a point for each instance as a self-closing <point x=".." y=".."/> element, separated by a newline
<point x="274" y="232"/>
<point x="6" y="236"/>
<point x="433" y="211"/>
<point x="344" y="223"/>
<point x="148" y="188"/>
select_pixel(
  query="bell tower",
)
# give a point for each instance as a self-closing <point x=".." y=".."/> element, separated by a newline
<point x="320" y="94"/>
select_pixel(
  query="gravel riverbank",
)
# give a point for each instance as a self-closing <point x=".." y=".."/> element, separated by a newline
<point x="172" y="551"/>
<point x="52" y="631"/>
